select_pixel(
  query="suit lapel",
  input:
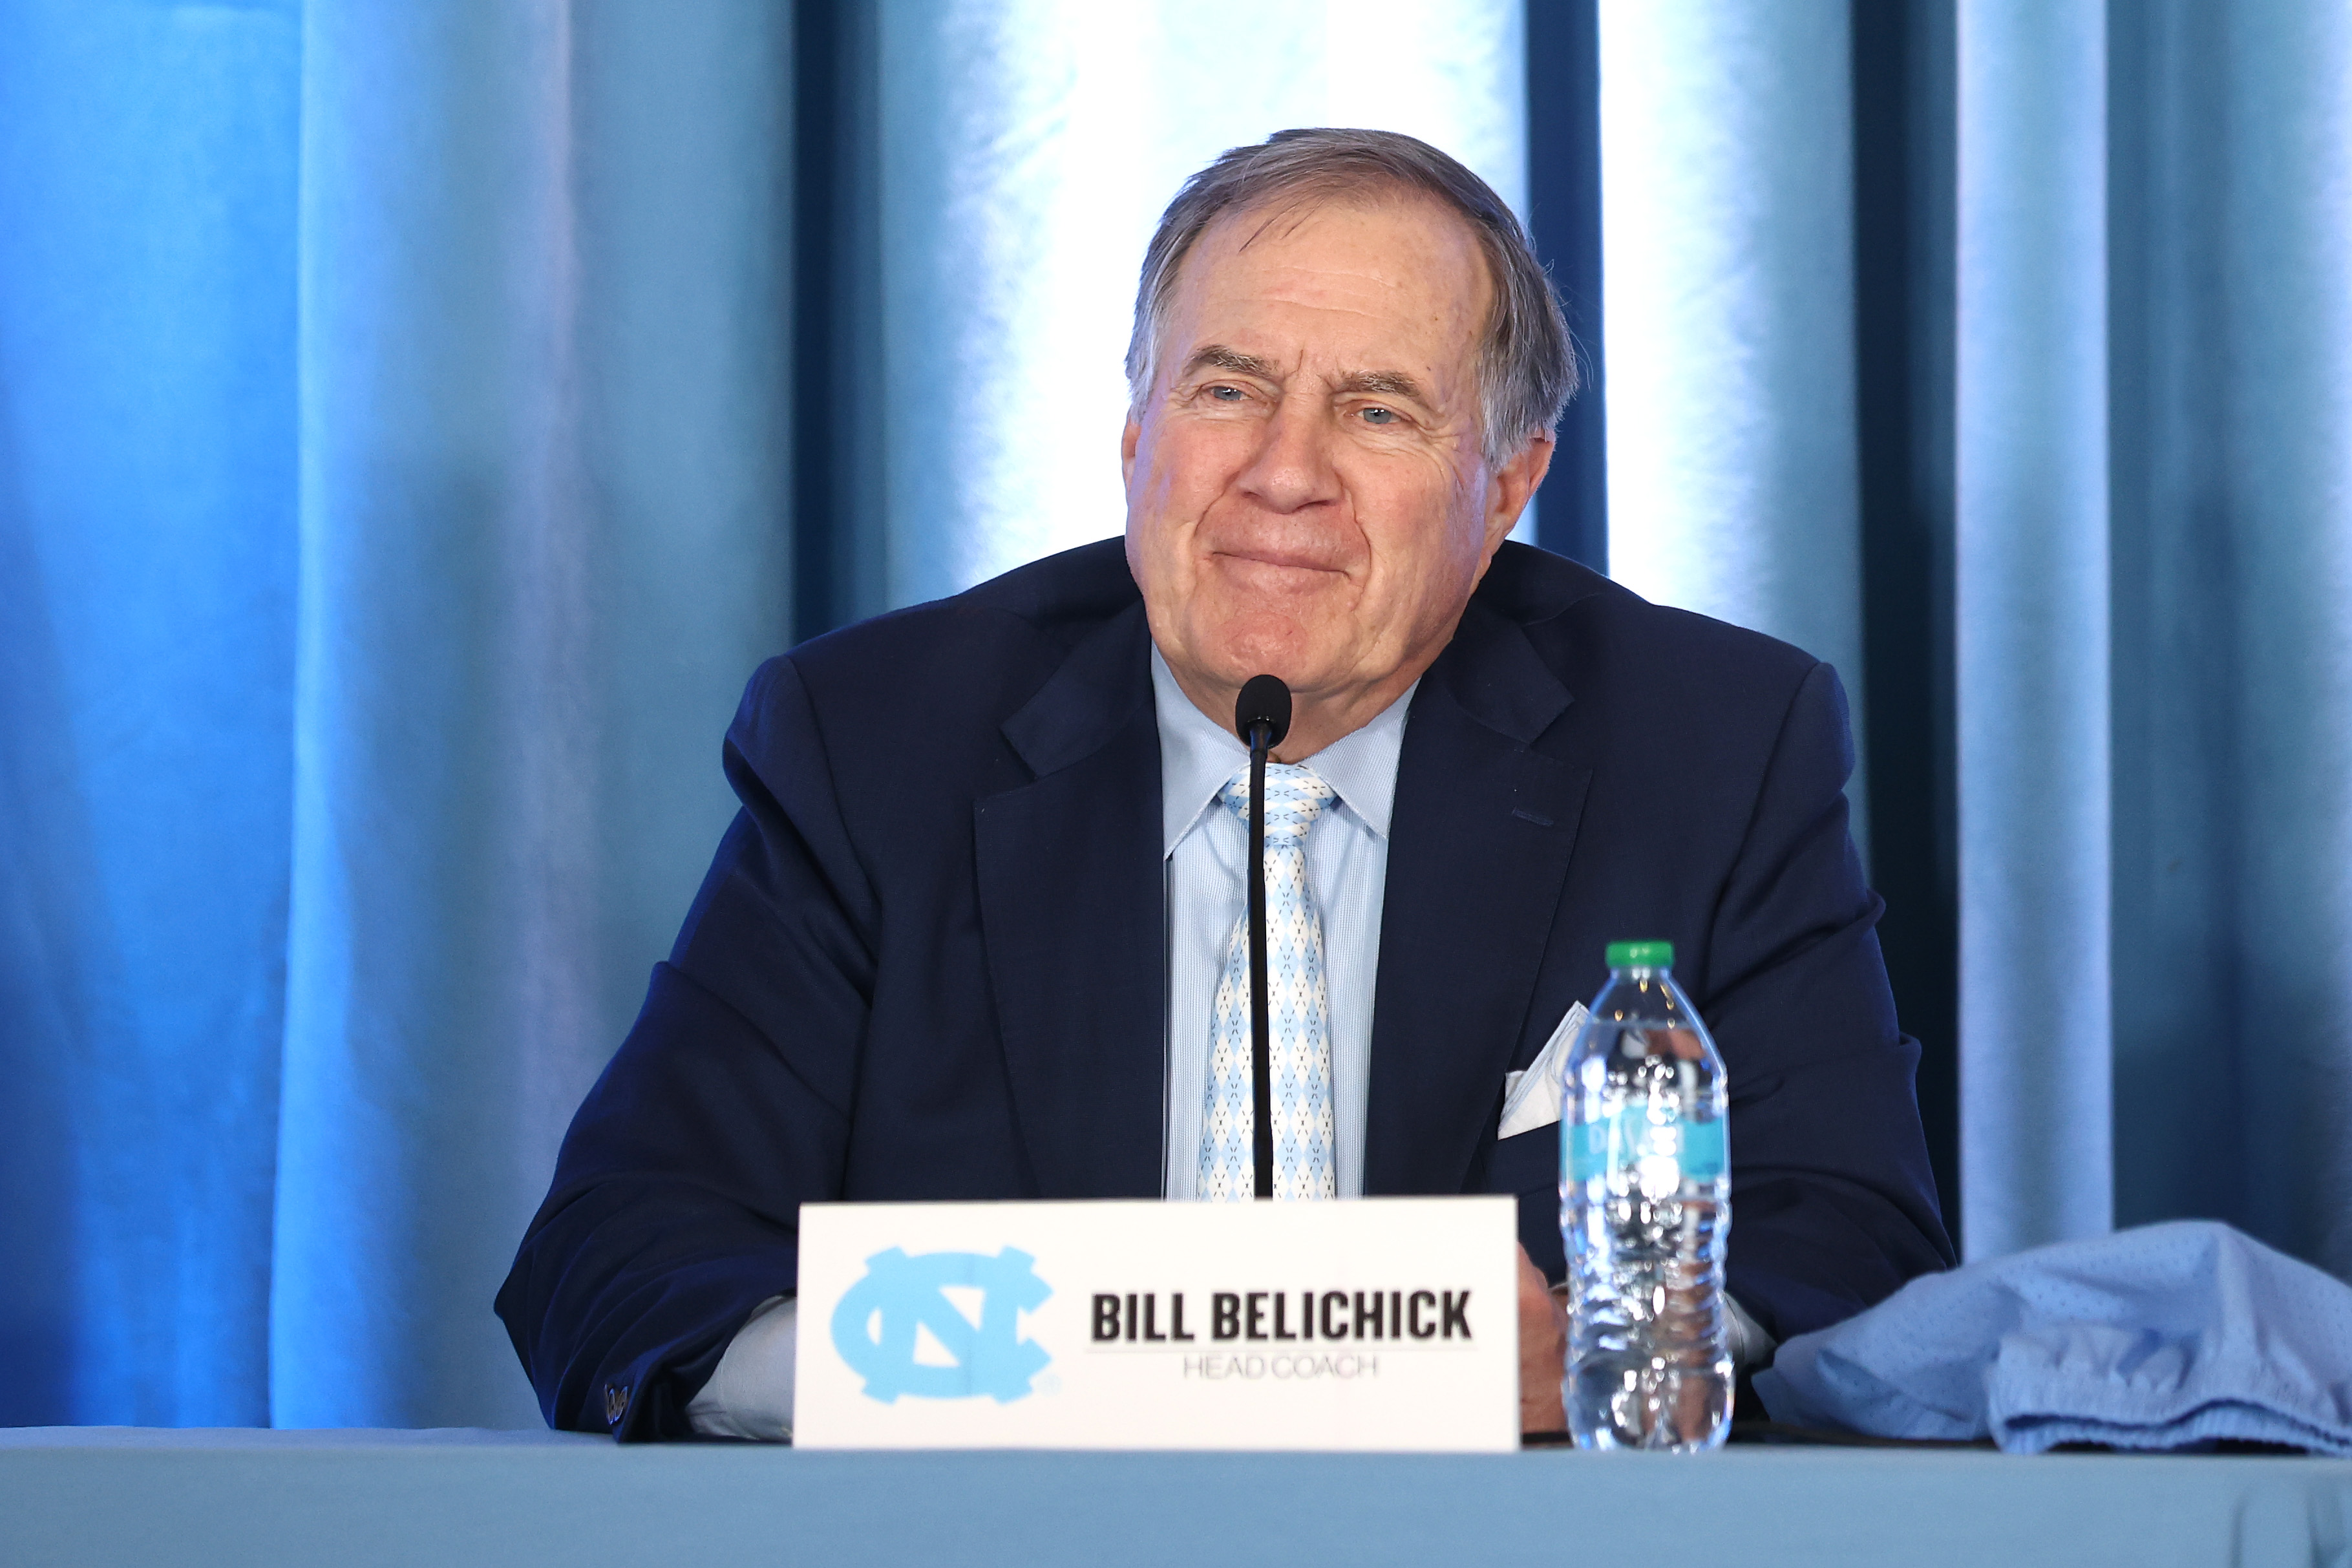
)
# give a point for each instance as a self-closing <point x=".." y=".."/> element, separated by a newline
<point x="1479" y="852"/>
<point x="1071" y="911"/>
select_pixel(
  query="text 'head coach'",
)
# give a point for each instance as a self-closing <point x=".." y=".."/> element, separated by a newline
<point x="975" y="933"/>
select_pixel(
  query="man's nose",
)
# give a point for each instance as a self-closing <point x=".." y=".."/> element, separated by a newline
<point x="1292" y="469"/>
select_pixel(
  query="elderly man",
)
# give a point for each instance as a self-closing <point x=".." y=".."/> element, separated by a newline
<point x="967" y="936"/>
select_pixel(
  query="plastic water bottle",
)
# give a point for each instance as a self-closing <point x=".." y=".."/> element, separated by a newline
<point x="1645" y="1208"/>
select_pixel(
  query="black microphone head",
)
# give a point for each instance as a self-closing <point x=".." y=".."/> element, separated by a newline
<point x="1265" y="701"/>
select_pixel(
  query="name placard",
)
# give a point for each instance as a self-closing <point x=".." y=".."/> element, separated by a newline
<point x="1384" y="1323"/>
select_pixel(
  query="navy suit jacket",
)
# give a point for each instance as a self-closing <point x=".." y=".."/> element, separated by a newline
<point x="929" y="961"/>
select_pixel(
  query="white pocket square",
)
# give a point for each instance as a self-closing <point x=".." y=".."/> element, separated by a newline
<point x="1531" y="1097"/>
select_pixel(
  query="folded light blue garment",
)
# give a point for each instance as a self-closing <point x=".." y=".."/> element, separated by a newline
<point x="2169" y="1336"/>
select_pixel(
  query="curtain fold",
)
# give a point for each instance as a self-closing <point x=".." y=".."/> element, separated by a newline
<point x="2287" y="289"/>
<point x="2232" y="575"/>
<point x="440" y="802"/>
<point x="2031" y="591"/>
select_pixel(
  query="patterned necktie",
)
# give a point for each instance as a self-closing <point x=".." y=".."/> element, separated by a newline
<point x="1298" y="1024"/>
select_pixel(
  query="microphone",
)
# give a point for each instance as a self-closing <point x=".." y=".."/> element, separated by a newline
<point x="1261" y="718"/>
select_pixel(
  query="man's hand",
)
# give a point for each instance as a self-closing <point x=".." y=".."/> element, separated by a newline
<point x="1543" y="1349"/>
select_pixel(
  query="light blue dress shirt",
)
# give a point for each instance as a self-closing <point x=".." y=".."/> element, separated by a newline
<point x="1207" y="866"/>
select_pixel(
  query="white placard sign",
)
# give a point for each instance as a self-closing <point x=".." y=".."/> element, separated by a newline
<point x="1384" y="1323"/>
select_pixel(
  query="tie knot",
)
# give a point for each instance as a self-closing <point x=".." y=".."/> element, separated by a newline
<point x="1295" y="798"/>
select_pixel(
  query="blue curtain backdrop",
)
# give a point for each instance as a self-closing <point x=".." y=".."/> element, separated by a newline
<point x="391" y="486"/>
<point x="416" y="419"/>
<point x="2230" y="353"/>
<point x="541" y="455"/>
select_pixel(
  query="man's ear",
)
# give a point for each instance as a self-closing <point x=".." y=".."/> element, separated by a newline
<point x="1126" y="444"/>
<point x="1513" y="485"/>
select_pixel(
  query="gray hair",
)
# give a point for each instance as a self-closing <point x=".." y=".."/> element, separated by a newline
<point x="1526" y="367"/>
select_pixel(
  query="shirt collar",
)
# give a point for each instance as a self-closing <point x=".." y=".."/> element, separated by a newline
<point x="1197" y="755"/>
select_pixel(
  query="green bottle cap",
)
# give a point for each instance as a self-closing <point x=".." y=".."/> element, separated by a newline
<point x="1641" y="955"/>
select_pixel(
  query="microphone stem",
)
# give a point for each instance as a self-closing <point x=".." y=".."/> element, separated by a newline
<point x="1261" y="1074"/>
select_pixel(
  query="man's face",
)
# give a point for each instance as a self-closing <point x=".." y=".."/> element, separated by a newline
<point x="1307" y="494"/>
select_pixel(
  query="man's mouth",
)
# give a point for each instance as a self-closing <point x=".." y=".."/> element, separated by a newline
<point x="1254" y="561"/>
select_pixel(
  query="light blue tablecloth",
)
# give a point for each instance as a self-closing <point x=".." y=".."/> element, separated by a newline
<point x="351" y="1499"/>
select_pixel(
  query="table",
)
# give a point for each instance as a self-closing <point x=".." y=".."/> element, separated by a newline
<point x="355" y="1498"/>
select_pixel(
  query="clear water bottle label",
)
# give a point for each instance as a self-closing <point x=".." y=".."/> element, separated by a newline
<point x="1631" y="1138"/>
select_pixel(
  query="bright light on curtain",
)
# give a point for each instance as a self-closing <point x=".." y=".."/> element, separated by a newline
<point x="1726" y="192"/>
<point x="1027" y="148"/>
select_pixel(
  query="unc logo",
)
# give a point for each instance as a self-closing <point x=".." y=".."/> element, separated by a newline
<point x="874" y="1327"/>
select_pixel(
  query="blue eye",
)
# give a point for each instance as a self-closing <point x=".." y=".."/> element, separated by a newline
<point x="1380" y="415"/>
<point x="1226" y="394"/>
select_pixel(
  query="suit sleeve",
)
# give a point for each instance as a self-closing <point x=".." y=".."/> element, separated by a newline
<point x="1834" y="1206"/>
<point x="675" y="1205"/>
